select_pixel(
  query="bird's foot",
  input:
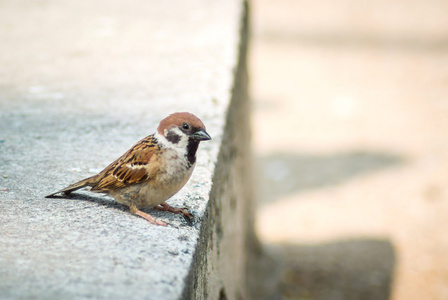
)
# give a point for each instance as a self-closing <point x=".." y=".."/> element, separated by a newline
<point x="166" y="207"/>
<point x="146" y="216"/>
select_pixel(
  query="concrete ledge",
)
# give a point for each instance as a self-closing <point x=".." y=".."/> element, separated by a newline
<point x="80" y="83"/>
<point x="220" y="265"/>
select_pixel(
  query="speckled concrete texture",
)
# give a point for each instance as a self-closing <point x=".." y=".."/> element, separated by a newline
<point x="80" y="83"/>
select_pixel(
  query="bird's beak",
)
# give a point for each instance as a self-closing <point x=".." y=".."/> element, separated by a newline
<point x="201" y="135"/>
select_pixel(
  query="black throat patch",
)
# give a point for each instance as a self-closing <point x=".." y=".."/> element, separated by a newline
<point x="192" y="147"/>
<point x="173" y="137"/>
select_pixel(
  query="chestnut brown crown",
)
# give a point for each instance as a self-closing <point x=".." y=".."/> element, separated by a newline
<point x="187" y="123"/>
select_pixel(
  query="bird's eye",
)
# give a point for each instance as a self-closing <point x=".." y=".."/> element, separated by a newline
<point x="185" y="126"/>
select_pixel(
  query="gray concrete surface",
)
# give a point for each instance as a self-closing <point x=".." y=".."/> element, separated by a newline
<point x="81" y="82"/>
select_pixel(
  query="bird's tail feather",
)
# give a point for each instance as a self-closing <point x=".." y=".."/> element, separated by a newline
<point x="75" y="186"/>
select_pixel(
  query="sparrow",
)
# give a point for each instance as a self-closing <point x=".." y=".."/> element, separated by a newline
<point x="153" y="170"/>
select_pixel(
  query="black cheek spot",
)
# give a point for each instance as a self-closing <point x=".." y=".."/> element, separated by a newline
<point x="173" y="137"/>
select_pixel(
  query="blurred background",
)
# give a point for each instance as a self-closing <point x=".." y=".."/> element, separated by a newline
<point x="350" y="133"/>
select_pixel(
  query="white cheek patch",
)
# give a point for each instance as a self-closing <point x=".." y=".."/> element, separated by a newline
<point x="183" y="142"/>
<point x="173" y="138"/>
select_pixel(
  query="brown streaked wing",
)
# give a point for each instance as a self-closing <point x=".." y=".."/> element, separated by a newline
<point x="132" y="167"/>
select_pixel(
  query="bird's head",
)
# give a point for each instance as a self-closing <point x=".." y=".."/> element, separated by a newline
<point x="182" y="128"/>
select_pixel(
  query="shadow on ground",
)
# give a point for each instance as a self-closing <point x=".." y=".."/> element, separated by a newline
<point x="108" y="202"/>
<point x="340" y="270"/>
<point x="282" y="174"/>
<point x="76" y="196"/>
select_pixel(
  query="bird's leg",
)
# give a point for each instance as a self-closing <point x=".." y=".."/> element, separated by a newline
<point x="166" y="207"/>
<point x="146" y="216"/>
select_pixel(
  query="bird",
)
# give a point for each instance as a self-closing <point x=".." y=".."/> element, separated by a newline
<point x="152" y="170"/>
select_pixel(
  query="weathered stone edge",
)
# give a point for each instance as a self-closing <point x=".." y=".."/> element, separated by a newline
<point x="219" y="267"/>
